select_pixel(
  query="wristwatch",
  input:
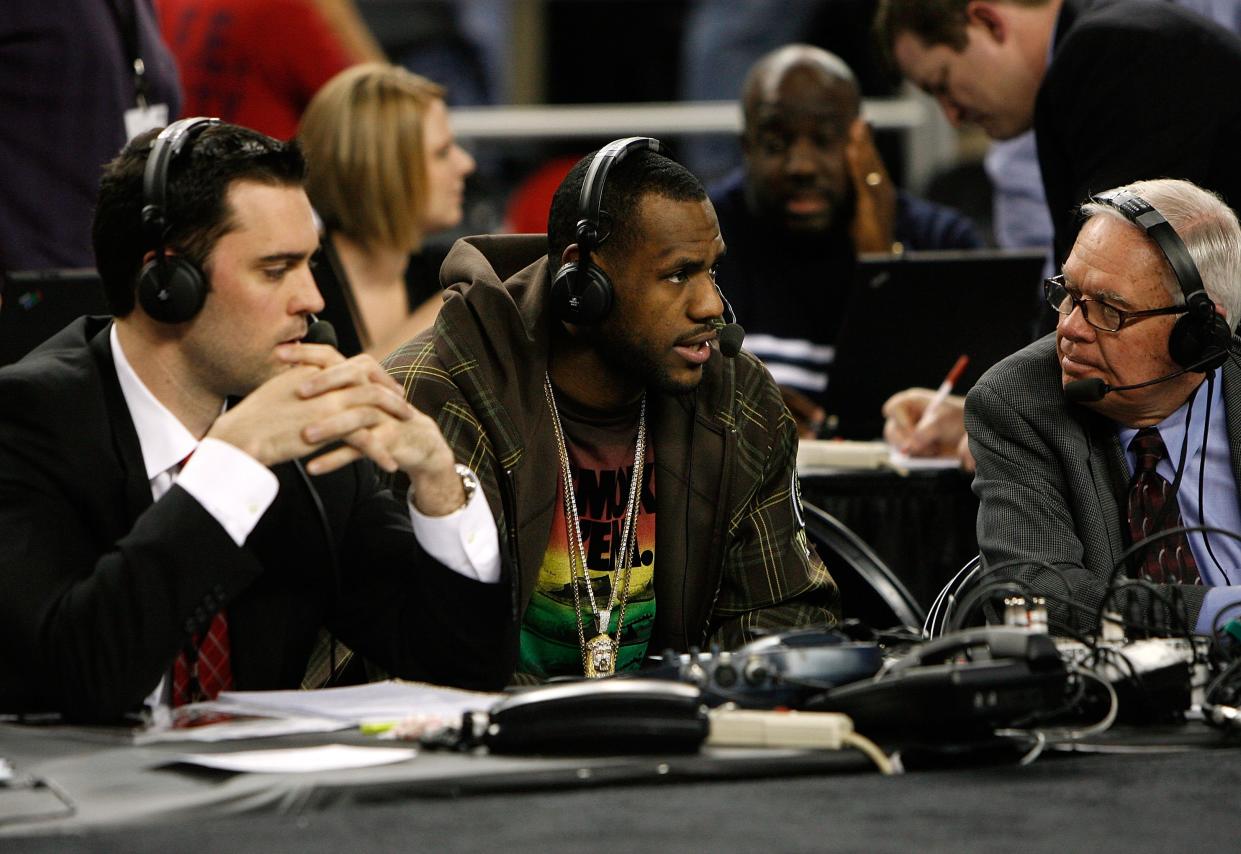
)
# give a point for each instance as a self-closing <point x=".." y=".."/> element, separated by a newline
<point x="469" y="481"/>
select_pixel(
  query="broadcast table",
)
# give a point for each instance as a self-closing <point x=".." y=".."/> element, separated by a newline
<point x="1177" y="794"/>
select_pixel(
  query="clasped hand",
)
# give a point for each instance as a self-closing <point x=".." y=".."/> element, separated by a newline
<point x="322" y="399"/>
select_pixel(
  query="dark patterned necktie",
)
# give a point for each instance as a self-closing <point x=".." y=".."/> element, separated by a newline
<point x="203" y="668"/>
<point x="1152" y="503"/>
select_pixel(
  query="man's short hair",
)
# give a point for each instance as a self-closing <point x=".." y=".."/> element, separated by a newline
<point x="197" y="212"/>
<point x="641" y="173"/>
<point x="934" y="22"/>
<point x="363" y="136"/>
<point x="1206" y="225"/>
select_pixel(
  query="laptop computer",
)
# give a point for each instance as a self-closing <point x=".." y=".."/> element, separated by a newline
<point x="910" y="316"/>
<point x="40" y="303"/>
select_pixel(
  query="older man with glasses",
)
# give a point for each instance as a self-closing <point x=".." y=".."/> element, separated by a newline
<point x="1098" y="444"/>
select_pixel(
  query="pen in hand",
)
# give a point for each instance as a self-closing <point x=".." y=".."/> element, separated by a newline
<point x="941" y="393"/>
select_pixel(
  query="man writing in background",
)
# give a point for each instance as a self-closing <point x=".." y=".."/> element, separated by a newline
<point x="123" y="565"/>
<point x="1075" y="466"/>
<point x="813" y="195"/>
<point x="645" y="484"/>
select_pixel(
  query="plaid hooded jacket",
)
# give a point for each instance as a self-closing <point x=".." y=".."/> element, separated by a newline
<point x="733" y="561"/>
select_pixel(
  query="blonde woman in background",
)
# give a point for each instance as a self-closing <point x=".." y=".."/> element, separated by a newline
<point x="385" y="172"/>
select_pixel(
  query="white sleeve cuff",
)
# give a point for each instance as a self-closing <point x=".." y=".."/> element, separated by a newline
<point x="231" y="485"/>
<point x="465" y="540"/>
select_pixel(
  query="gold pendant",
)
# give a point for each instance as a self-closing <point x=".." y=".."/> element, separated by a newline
<point x="600" y="656"/>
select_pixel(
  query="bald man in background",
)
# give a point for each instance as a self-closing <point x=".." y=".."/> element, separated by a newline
<point x="813" y="194"/>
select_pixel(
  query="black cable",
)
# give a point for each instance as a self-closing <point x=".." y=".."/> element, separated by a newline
<point x="1069" y="603"/>
<point x="333" y="556"/>
<point x="970" y="602"/>
<point x="1163" y="597"/>
<point x="1202" y="467"/>
<point x="1147" y="543"/>
<point x="689" y="498"/>
<point x="1042" y="564"/>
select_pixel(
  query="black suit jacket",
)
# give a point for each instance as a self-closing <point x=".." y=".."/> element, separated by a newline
<point x="100" y="587"/>
<point x="1136" y="90"/>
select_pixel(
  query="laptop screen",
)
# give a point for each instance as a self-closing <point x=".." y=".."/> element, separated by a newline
<point x="911" y="316"/>
<point x="38" y="304"/>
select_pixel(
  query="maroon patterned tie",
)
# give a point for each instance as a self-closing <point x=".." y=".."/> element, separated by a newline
<point x="1152" y="503"/>
<point x="203" y="667"/>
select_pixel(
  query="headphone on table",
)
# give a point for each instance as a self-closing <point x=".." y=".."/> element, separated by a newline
<point x="1200" y="339"/>
<point x="581" y="291"/>
<point x="171" y="288"/>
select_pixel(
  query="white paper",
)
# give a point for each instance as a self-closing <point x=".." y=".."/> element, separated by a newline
<point x="250" y="727"/>
<point x="299" y="760"/>
<point x="907" y="463"/>
<point x="377" y="702"/>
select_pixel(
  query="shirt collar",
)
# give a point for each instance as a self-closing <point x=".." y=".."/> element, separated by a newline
<point x="163" y="439"/>
<point x="1172" y="428"/>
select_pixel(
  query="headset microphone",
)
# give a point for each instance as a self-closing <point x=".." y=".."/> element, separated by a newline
<point x="730" y="333"/>
<point x="730" y="336"/>
<point x="1094" y="389"/>
<point x="320" y="332"/>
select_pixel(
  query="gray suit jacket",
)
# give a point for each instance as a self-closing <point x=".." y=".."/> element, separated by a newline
<point x="1052" y="483"/>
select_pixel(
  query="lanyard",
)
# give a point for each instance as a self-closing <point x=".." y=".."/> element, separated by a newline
<point x="126" y="15"/>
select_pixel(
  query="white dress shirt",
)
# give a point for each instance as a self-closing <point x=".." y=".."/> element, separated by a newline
<point x="237" y="489"/>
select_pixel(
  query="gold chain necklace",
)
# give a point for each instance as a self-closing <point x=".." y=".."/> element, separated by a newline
<point x="600" y="652"/>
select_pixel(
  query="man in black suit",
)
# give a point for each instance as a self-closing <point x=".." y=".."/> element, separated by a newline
<point x="1116" y="91"/>
<point x="128" y="573"/>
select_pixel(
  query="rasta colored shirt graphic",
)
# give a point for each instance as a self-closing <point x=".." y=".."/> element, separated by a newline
<point x="601" y="449"/>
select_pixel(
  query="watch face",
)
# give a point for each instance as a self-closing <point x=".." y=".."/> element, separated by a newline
<point x="469" y="482"/>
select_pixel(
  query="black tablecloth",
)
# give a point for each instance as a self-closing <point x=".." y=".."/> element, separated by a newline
<point x="1175" y="801"/>
<point x="921" y="523"/>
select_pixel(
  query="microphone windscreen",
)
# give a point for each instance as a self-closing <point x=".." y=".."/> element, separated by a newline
<point x="320" y="332"/>
<point x="731" y="336"/>
<point x="1086" y="391"/>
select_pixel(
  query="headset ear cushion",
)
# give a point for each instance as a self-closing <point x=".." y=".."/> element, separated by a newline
<point x="1194" y="338"/>
<point x="564" y="283"/>
<point x="581" y="296"/>
<point x="172" y="290"/>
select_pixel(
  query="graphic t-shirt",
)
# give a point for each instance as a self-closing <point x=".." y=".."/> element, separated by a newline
<point x="601" y="449"/>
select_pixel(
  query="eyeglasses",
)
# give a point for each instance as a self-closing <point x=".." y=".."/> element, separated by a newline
<point x="1097" y="313"/>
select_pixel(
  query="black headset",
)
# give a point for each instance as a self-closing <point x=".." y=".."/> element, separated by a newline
<point x="581" y="292"/>
<point x="172" y="288"/>
<point x="1200" y="338"/>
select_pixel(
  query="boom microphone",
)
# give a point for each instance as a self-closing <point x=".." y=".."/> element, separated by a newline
<point x="320" y="332"/>
<point x="1094" y="389"/>
<point x="730" y="337"/>
<point x="730" y="334"/>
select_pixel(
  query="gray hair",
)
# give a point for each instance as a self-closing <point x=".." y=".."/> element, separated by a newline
<point x="1209" y="229"/>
